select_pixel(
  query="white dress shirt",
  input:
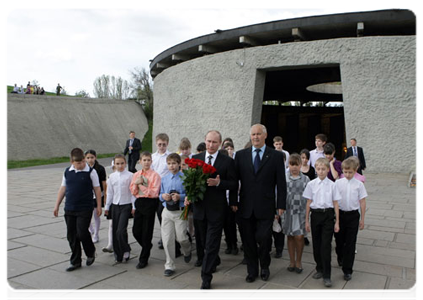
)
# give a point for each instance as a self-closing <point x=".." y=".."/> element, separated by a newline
<point x="159" y="163"/>
<point x="315" y="155"/>
<point x="352" y="191"/>
<point x="214" y="156"/>
<point x="93" y="175"/>
<point x="118" y="191"/>
<point x="322" y="193"/>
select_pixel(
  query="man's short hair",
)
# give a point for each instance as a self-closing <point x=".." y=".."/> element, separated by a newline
<point x="322" y="137"/>
<point x="131" y="132"/>
<point x="353" y="139"/>
<point x="322" y="161"/>
<point x="185" y="144"/>
<point x="145" y="153"/>
<point x="174" y="157"/>
<point x="294" y="159"/>
<point x="329" y="148"/>
<point x="77" y="154"/>
<point x="351" y="162"/>
<point x="163" y="137"/>
<point x="218" y="133"/>
<point x="277" y="139"/>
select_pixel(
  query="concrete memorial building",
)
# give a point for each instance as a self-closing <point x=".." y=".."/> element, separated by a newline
<point x="226" y="80"/>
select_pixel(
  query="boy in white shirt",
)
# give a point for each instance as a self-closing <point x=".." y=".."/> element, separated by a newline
<point x="322" y="201"/>
<point x="119" y="194"/>
<point x="353" y="201"/>
<point x="315" y="154"/>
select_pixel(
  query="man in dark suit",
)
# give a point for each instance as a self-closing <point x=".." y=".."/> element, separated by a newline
<point x="209" y="214"/>
<point x="357" y="152"/>
<point x="132" y="148"/>
<point x="261" y="172"/>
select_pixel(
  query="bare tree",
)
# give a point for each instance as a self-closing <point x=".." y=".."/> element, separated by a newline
<point x="107" y="86"/>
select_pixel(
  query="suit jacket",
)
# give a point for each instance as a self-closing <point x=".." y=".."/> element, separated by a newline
<point x="360" y="156"/>
<point x="214" y="205"/>
<point x="136" y="148"/>
<point x="262" y="193"/>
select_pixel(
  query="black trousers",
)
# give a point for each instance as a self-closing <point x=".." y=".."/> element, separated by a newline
<point x="120" y="216"/>
<point x="322" y="225"/>
<point x="132" y="162"/>
<point x="346" y="239"/>
<point x="229" y="228"/>
<point x="77" y="224"/>
<point x="279" y="239"/>
<point x="257" y="242"/>
<point x="198" y="242"/>
<point x="210" y="234"/>
<point x="143" y="226"/>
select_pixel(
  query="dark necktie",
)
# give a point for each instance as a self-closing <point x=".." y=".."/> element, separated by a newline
<point x="257" y="160"/>
<point x="210" y="159"/>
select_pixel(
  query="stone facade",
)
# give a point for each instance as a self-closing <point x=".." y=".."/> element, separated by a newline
<point x="51" y="126"/>
<point x="224" y="91"/>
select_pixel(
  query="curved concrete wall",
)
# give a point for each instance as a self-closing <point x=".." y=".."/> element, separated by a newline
<point x="224" y="91"/>
<point x="50" y="126"/>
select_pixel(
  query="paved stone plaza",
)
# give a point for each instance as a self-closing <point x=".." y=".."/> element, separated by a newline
<point x="38" y="252"/>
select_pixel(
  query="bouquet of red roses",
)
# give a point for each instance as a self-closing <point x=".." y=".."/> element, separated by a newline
<point x="195" y="181"/>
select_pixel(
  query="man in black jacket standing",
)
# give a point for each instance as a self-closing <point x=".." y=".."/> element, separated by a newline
<point x="261" y="172"/>
<point x="356" y="151"/>
<point x="132" y="148"/>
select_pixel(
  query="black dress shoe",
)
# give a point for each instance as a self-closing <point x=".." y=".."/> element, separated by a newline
<point x="278" y="254"/>
<point x="187" y="258"/>
<point x="265" y="273"/>
<point x="141" y="265"/>
<point x="250" y="278"/>
<point x="244" y="261"/>
<point x="306" y="241"/>
<point x="90" y="260"/>
<point x="169" y="272"/>
<point x="198" y="263"/>
<point x="235" y="251"/>
<point x="73" y="268"/>
<point x="347" y="277"/>
<point x="205" y="285"/>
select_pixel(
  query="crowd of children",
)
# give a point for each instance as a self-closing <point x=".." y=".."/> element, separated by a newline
<point x="325" y="196"/>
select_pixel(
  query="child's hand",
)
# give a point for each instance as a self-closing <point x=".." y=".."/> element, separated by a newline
<point x="99" y="211"/>
<point x="106" y="212"/>
<point x="307" y="226"/>
<point x="133" y="212"/>
<point x="186" y="202"/>
<point x="175" y="197"/>
<point x="139" y="180"/>
<point x="56" y="211"/>
<point x="361" y="225"/>
<point x="336" y="227"/>
<point x="166" y="197"/>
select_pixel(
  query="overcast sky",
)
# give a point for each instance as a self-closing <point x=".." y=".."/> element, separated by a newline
<point x="73" y="45"/>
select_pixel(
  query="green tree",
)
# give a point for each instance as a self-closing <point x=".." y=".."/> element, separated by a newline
<point x="82" y="93"/>
<point x="142" y="90"/>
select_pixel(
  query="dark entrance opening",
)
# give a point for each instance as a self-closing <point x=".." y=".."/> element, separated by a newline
<point x="302" y="102"/>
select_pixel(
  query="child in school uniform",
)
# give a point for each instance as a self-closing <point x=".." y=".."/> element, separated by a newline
<point x="322" y="201"/>
<point x="320" y="141"/>
<point x="335" y="170"/>
<point x="78" y="183"/>
<point x="91" y="158"/>
<point x="145" y="186"/>
<point x="293" y="224"/>
<point x="109" y="247"/>
<point x="352" y="208"/>
<point x="172" y="196"/>
<point x="119" y="194"/>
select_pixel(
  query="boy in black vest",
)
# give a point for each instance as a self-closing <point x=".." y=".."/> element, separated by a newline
<point x="78" y="183"/>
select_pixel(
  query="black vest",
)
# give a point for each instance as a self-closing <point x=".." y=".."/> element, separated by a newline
<point x="79" y="191"/>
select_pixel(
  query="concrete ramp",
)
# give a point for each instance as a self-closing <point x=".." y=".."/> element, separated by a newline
<point x="50" y="126"/>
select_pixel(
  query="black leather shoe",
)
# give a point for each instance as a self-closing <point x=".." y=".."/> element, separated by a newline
<point x="265" y="273"/>
<point x="187" y="258"/>
<point x="235" y="251"/>
<point x="198" y="263"/>
<point x="141" y="265"/>
<point x="73" y="268"/>
<point x="250" y="278"/>
<point x="168" y="272"/>
<point x="347" y="277"/>
<point x="205" y="285"/>
<point x="278" y="254"/>
<point x="306" y="241"/>
<point x="90" y="260"/>
<point x="244" y="261"/>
